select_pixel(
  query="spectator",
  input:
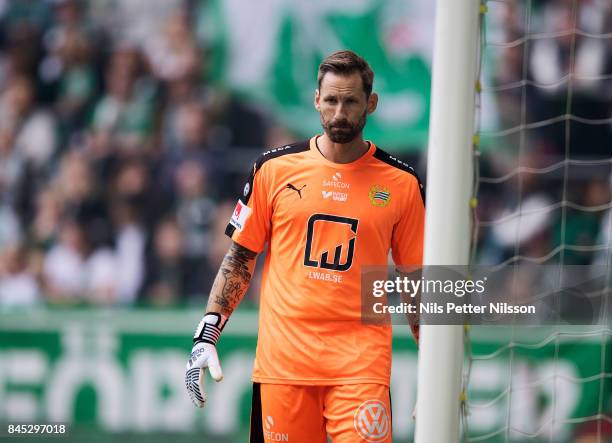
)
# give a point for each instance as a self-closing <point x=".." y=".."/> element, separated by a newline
<point x="28" y="133"/>
<point x="604" y="237"/>
<point x="75" y="272"/>
<point x="196" y="213"/>
<point x="178" y="92"/>
<point x="190" y="131"/>
<point x="130" y="243"/>
<point x="553" y="64"/>
<point x="124" y="116"/>
<point x="580" y="228"/>
<point x="188" y="134"/>
<point x="134" y="187"/>
<point x="27" y="145"/>
<point x="133" y="22"/>
<point x="67" y="72"/>
<point x="10" y="229"/>
<point x="18" y="287"/>
<point x="45" y="227"/>
<point x="81" y="197"/>
<point x="167" y="275"/>
<point x="173" y="53"/>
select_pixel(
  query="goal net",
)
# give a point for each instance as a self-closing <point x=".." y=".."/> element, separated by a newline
<point x="543" y="162"/>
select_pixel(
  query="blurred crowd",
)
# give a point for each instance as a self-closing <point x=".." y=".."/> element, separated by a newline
<point x="547" y="171"/>
<point x="120" y="159"/>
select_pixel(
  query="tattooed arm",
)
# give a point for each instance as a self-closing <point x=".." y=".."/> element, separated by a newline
<point x="232" y="280"/>
<point x="231" y="283"/>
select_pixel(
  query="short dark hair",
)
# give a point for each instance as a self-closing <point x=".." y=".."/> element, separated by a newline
<point x="345" y="63"/>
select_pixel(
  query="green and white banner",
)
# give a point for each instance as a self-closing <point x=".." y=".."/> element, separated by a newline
<point x="118" y="372"/>
<point x="270" y="50"/>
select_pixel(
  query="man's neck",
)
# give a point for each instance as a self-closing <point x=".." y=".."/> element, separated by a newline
<point x="342" y="152"/>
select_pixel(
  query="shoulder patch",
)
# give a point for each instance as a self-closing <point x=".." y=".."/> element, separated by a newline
<point x="389" y="159"/>
<point x="247" y="190"/>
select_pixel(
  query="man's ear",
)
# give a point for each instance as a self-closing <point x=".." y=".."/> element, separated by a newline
<point x="372" y="102"/>
<point x="317" y="96"/>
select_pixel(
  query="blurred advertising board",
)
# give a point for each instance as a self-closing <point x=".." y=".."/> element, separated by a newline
<point x="121" y="371"/>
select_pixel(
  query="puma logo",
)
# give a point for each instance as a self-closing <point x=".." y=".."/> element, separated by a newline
<point x="293" y="188"/>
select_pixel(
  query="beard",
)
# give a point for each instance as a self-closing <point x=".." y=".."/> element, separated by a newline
<point x="343" y="131"/>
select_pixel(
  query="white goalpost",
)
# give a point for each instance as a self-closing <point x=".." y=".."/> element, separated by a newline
<point x="544" y="184"/>
<point x="447" y="227"/>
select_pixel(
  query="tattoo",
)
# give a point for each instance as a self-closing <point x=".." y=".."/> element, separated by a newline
<point x="233" y="278"/>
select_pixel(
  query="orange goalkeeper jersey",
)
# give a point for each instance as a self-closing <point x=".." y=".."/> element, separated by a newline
<point x="323" y="221"/>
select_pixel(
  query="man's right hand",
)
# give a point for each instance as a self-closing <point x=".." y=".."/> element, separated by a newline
<point x="203" y="355"/>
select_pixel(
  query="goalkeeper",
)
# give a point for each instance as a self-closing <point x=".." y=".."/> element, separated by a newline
<point x="324" y="207"/>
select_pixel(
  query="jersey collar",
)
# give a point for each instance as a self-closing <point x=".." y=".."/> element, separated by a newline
<point x="356" y="163"/>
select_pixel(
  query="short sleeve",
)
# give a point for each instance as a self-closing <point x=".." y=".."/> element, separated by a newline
<point x="249" y="225"/>
<point x="408" y="232"/>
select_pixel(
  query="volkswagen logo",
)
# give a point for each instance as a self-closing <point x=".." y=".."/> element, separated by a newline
<point x="372" y="421"/>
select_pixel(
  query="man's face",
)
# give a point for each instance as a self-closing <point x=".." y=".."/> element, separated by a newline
<point x="343" y="106"/>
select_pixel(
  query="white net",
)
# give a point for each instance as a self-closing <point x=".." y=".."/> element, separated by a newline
<point x="543" y="157"/>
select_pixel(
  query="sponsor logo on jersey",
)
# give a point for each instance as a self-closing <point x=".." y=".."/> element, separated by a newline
<point x="293" y="188"/>
<point x="330" y="242"/>
<point x="379" y="196"/>
<point x="336" y="182"/>
<point x="325" y="276"/>
<point x="240" y="215"/>
<point x="270" y="434"/>
<point x="247" y="188"/>
<point x="372" y="422"/>
<point x="335" y="196"/>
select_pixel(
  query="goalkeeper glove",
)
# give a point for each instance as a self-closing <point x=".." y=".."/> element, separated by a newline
<point x="204" y="355"/>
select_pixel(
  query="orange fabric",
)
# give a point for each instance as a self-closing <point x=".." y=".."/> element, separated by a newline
<point x="343" y="217"/>
<point x="347" y="413"/>
<point x="358" y="413"/>
<point x="292" y="413"/>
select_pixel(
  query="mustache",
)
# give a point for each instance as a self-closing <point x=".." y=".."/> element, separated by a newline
<point x="341" y="124"/>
